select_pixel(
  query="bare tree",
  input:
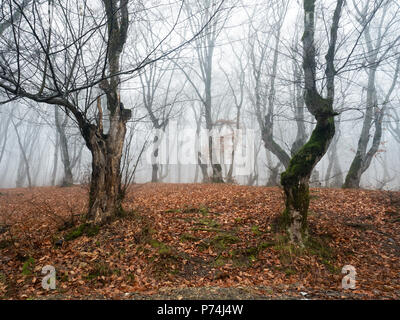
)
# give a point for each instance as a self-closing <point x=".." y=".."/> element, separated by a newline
<point x="238" y="94"/>
<point x="334" y="175"/>
<point x="264" y="42"/>
<point x="204" y="48"/>
<point x="63" y="140"/>
<point x="27" y="139"/>
<point x="73" y="61"/>
<point x="295" y="180"/>
<point x="4" y="127"/>
<point x="377" y="51"/>
<point x="152" y="80"/>
<point x="200" y="164"/>
<point x="394" y="124"/>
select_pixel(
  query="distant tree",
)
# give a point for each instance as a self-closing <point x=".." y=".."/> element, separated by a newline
<point x="204" y="47"/>
<point x="264" y="73"/>
<point x="394" y="124"/>
<point x="27" y="140"/>
<point x="379" y="48"/>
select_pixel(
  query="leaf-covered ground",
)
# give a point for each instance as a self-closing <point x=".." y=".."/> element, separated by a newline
<point x="198" y="241"/>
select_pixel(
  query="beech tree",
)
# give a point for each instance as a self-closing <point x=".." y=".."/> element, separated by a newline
<point x="263" y="97"/>
<point x="295" y="180"/>
<point x="265" y="57"/>
<point x="69" y="55"/>
<point x="376" y="53"/>
<point x="204" y="52"/>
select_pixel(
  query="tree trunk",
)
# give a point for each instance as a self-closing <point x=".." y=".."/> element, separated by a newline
<point x="216" y="167"/>
<point x="362" y="159"/>
<point x="23" y="168"/>
<point x="5" y="134"/>
<point x="273" y="176"/>
<point x="106" y="194"/>
<point x="295" y="180"/>
<point x="334" y="176"/>
<point x="204" y="169"/>
<point x="356" y="168"/>
<point x="55" y="160"/>
<point x="105" y="197"/>
<point x="154" y="166"/>
<point x="337" y="172"/>
<point x="68" y="178"/>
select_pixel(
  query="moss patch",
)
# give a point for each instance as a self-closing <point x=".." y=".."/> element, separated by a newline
<point x="189" y="238"/>
<point x="28" y="266"/>
<point x="99" y="270"/>
<point x="167" y="262"/>
<point x="220" y="242"/>
<point x="163" y="249"/>
<point x="3" y="278"/>
<point x="207" y="223"/>
<point x="319" y="246"/>
<point x="256" y="231"/>
<point x="83" y="229"/>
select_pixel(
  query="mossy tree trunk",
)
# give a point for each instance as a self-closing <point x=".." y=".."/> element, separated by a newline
<point x="295" y="180"/>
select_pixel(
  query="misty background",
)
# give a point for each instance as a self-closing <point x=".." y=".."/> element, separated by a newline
<point x="245" y="72"/>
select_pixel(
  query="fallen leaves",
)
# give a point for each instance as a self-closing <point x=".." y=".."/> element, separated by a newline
<point x="190" y="234"/>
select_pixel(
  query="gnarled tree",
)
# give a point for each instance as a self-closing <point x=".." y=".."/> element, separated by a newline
<point x="68" y="54"/>
<point x="295" y="180"/>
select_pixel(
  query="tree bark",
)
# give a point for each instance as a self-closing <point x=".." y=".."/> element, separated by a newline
<point x="295" y="180"/>
<point x="204" y="169"/>
<point x="55" y="160"/>
<point x="105" y="196"/>
<point x="154" y="166"/>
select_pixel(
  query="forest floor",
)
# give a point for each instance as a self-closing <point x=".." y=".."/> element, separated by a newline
<point x="198" y="241"/>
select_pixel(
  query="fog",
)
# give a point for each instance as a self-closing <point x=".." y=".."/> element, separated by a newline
<point x="223" y="80"/>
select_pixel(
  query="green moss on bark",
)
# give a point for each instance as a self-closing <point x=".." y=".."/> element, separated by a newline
<point x="303" y="162"/>
<point x="295" y="180"/>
